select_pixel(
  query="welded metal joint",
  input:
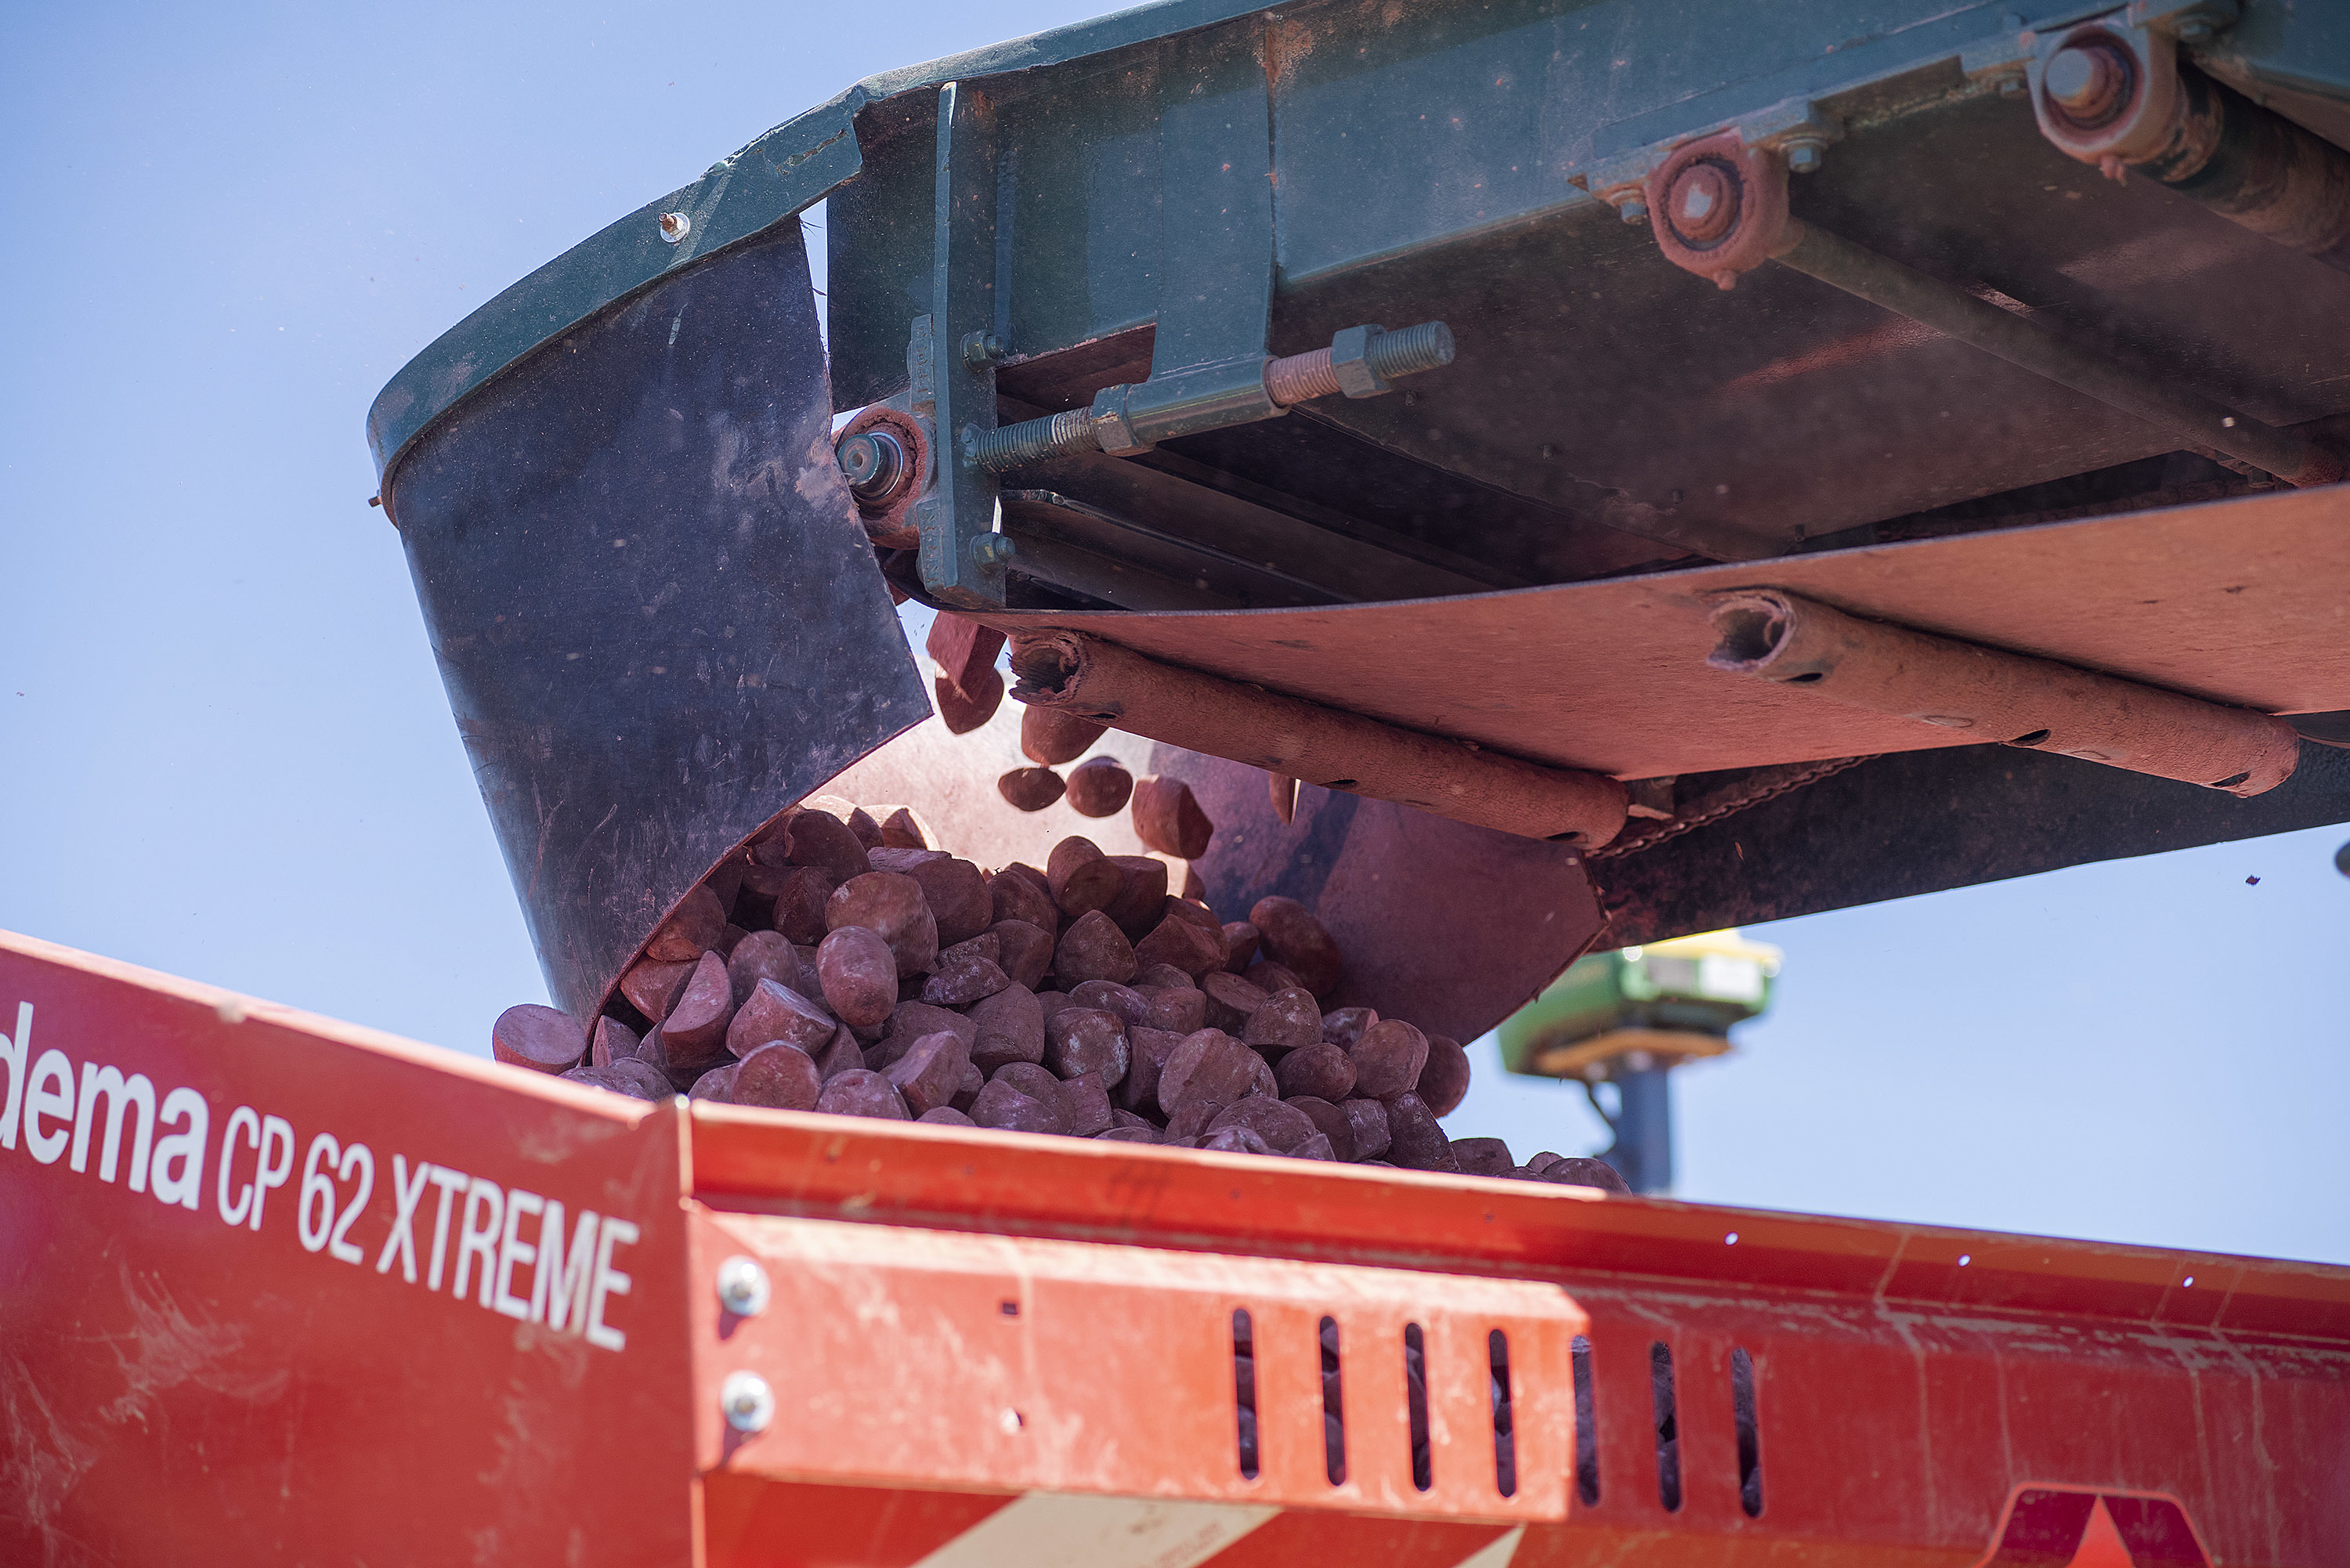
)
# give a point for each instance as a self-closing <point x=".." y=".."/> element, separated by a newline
<point x="1361" y="362"/>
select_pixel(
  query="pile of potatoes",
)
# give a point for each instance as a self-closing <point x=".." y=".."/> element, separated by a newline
<point x="843" y="965"/>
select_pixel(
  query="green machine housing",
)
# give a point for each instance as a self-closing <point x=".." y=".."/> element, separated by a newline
<point x="1673" y="1000"/>
<point x="1434" y="365"/>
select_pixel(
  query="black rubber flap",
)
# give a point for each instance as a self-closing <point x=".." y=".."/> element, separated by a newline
<point x="656" y="612"/>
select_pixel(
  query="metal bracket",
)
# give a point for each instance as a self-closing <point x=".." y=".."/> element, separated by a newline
<point x="962" y="557"/>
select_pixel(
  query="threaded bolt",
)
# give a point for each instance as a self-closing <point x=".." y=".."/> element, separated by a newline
<point x="1069" y="433"/>
<point x="1295" y="378"/>
<point x="1408" y="352"/>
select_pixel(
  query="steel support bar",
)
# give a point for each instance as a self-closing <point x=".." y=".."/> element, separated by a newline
<point x="1361" y="361"/>
<point x="1643" y="1125"/>
<point x="961" y="555"/>
<point x="2024" y="341"/>
<point x="1327" y="746"/>
<point x="1992" y="694"/>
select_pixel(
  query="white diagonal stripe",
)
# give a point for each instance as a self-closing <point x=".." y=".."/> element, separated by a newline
<point x="1495" y="1553"/>
<point x="1055" y="1529"/>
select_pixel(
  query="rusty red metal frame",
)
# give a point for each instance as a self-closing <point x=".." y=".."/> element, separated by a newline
<point x="2234" y="601"/>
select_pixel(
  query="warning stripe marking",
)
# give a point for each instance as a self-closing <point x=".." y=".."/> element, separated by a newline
<point x="1057" y="1529"/>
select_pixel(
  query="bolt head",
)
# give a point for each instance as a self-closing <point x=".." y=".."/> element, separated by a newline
<point x="993" y="550"/>
<point x="1702" y="205"/>
<point x="860" y="458"/>
<point x="743" y="1286"/>
<point x="981" y="349"/>
<point x="2089" y="81"/>
<point x="675" y="226"/>
<point x="1805" y="157"/>
<point x="747" y="1401"/>
<point x="1634" y="211"/>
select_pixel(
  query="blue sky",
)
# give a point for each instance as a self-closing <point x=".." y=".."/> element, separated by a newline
<point x="229" y="755"/>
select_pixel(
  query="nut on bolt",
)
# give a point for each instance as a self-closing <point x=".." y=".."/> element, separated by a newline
<point x="873" y="463"/>
<point x="1806" y="154"/>
<point x="743" y="1286"/>
<point x="981" y="349"/>
<point x="993" y="550"/>
<point x="1702" y="205"/>
<point x="2089" y="81"/>
<point x="748" y="1403"/>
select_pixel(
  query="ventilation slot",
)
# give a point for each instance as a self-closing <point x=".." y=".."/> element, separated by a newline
<point x="1245" y="1390"/>
<point x="1669" y="1439"/>
<point x="1505" y="1444"/>
<point x="1334" y="1408"/>
<point x="1415" y="1378"/>
<point x="1750" y="1450"/>
<point x="1586" y="1427"/>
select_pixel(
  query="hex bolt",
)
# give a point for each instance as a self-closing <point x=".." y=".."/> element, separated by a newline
<point x="747" y="1402"/>
<point x="675" y="226"/>
<point x="874" y="463"/>
<point x="1633" y="211"/>
<point x="1805" y="155"/>
<point x="1359" y="362"/>
<point x="743" y="1286"/>
<point x="2088" y="82"/>
<point x="1702" y="205"/>
<point x="981" y="349"/>
<point x="993" y="550"/>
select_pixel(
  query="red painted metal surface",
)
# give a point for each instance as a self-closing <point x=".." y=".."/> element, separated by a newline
<point x="195" y="1381"/>
<point x="177" y="1387"/>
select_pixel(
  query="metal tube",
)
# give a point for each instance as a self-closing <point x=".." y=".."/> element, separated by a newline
<point x="1293" y="379"/>
<point x="1989" y="694"/>
<point x="2256" y="168"/>
<point x="2022" y="340"/>
<point x="1305" y="741"/>
<point x="1643" y="1150"/>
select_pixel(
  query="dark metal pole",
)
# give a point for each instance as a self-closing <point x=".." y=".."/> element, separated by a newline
<point x="2023" y="341"/>
<point x="1643" y="1151"/>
